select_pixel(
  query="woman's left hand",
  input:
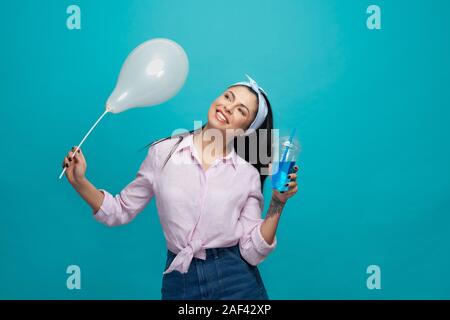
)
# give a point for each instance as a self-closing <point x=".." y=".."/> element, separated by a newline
<point x="292" y="189"/>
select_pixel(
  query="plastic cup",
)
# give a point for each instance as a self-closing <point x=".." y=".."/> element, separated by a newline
<point x="284" y="162"/>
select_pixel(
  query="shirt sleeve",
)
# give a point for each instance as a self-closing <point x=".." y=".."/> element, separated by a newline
<point x="122" y="208"/>
<point x="254" y="249"/>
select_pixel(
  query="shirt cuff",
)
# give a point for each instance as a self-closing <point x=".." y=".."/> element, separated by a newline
<point x="106" y="206"/>
<point x="260" y="244"/>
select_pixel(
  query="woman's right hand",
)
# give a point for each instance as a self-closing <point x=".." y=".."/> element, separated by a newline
<point x="75" y="165"/>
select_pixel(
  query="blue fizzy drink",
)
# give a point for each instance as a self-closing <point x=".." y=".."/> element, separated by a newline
<point x="280" y="178"/>
<point x="284" y="162"/>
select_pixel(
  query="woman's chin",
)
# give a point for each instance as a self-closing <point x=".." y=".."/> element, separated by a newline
<point x="216" y="124"/>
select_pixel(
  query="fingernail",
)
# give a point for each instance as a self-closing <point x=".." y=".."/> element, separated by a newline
<point x="296" y="168"/>
<point x="67" y="165"/>
<point x="70" y="159"/>
<point x="289" y="176"/>
<point x="282" y="192"/>
<point x="286" y="185"/>
<point x="78" y="151"/>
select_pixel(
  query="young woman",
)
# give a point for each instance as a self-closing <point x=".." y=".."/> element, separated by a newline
<point x="209" y="199"/>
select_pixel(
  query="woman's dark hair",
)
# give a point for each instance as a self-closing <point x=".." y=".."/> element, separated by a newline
<point x="263" y="132"/>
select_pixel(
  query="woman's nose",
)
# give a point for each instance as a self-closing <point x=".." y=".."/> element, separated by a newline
<point x="229" y="108"/>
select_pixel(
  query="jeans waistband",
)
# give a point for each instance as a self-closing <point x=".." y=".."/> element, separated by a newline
<point x="212" y="253"/>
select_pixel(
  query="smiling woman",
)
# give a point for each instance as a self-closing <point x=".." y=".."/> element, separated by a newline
<point x="236" y="107"/>
<point x="209" y="203"/>
<point x="245" y="112"/>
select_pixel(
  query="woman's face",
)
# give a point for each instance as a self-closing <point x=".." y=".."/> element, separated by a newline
<point x="234" y="109"/>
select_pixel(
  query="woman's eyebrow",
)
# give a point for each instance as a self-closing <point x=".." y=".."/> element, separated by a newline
<point x="234" y="97"/>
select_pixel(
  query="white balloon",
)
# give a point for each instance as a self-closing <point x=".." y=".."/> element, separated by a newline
<point x="152" y="73"/>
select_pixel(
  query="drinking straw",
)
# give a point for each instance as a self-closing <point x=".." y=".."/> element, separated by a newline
<point x="291" y="137"/>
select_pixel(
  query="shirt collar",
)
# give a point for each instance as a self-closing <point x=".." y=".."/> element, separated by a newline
<point x="188" y="142"/>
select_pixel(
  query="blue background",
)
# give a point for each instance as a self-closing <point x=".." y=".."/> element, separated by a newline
<point x="371" y="109"/>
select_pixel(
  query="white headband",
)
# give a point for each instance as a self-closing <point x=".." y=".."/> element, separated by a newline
<point x="262" y="106"/>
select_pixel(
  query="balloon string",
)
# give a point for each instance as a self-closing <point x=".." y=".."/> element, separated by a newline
<point x="87" y="134"/>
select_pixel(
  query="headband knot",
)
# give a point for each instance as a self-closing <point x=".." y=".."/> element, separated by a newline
<point x="262" y="105"/>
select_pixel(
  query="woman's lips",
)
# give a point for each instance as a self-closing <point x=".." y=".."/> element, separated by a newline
<point x="220" y="117"/>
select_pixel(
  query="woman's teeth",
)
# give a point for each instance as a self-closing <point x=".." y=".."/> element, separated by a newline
<point x="220" y="117"/>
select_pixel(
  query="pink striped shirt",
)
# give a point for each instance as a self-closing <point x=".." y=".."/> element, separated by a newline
<point x="198" y="209"/>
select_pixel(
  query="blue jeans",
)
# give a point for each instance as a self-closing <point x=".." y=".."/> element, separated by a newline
<point x="224" y="275"/>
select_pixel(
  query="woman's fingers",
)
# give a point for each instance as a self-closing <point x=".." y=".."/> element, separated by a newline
<point x="292" y="182"/>
<point x="72" y="157"/>
<point x="66" y="163"/>
<point x="291" y="185"/>
<point x="292" y="191"/>
<point x="292" y="176"/>
<point x="75" y="155"/>
<point x="79" y="155"/>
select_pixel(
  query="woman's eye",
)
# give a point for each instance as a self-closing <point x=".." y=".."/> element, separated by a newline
<point x="242" y="112"/>
<point x="227" y="97"/>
